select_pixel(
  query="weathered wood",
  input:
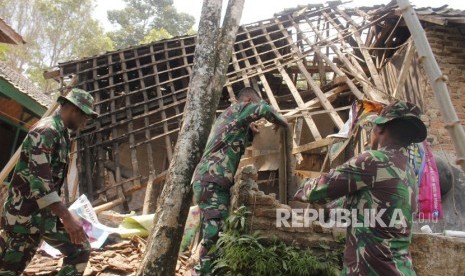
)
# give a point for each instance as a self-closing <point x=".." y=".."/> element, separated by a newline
<point x="333" y="66"/>
<point x="173" y="96"/>
<point x="283" y="167"/>
<point x="130" y="125"/>
<point x="313" y="145"/>
<point x="298" y="99"/>
<point x="316" y="89"/>
<point x="404" y="71"/>
<point x="262" y="77"/>
<point x="114" y="131"/>
<point x="109" y="205"/>
<point x="169" y="149"/>
<point x="354" y="27"/>
<point x="147" y="207"/>
<point x="436" y="79"/>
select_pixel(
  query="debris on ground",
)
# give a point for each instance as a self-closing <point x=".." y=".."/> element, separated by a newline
<point x="119" y="257"/>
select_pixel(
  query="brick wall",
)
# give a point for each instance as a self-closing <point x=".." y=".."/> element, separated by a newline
<point x="448" y="45"/>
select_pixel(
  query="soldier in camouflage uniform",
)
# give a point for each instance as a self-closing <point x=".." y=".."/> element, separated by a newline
<point x="213" y="176"/>
<point x="377" y="179"/>
<point x="33" y="204"/>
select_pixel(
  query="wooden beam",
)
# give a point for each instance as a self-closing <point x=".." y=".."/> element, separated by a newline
<point x="268" y="91"/>
<point x="298" y="99"/>
<point x="354" y="27"/>
<point x="10" y="36"/>
<point x="316" y="89"/>
<point x="358" y="74"/>
<point x="313" y="145"/>
<point x="404" y="71"/>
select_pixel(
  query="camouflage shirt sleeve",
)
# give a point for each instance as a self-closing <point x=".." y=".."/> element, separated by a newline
<point x="255" y="111"/>
<point x="356" y="174"/>
<point x="38" y="146"/>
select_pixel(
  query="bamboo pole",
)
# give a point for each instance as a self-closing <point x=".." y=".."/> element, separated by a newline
<point x="436" y="79"/>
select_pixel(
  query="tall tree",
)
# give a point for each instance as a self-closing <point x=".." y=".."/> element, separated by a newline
<point x="54" y="31"/>
<point x="140" y="17"/>
<point x="211" y="60"/>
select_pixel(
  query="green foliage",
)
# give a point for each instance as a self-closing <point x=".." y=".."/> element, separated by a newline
<point x="145" y="20"/>
<point x="55" y="31"/>
<point x="3" y="50"/>
<point x="246" y="254"/>
<point x="155" y="35"/>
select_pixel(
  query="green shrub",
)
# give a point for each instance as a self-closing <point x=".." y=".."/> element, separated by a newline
<point x="241" y="253"/>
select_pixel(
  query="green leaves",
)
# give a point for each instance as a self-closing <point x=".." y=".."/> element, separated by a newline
<point x="143" y="21"/>
<point x="242" y="253"/>
<point x="54" y="31"/>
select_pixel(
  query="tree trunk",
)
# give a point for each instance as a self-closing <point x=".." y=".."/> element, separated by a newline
<point x="211" y="60"/>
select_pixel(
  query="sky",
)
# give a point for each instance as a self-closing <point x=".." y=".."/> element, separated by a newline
<point x="255" y="10"/>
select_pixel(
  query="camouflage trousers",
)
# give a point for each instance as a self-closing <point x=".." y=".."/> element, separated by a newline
<point x="17" y="250"/>
<point x="213" y="201"/>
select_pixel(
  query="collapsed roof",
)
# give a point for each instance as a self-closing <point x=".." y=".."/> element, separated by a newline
<point x="310" y="63"/>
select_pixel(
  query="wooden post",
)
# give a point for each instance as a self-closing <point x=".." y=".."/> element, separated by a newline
<point x="282" y="174"/>
<point x="405" y="69"/>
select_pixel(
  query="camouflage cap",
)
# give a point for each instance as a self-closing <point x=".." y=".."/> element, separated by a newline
<point x="406" y="111"/>
<point x="82" y="99"/>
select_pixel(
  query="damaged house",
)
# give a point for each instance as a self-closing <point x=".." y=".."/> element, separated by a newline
<point x="310" y="63"/>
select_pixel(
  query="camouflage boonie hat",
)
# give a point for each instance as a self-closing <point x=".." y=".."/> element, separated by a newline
<point x="406" y="111"/>
<point x="80" y="98"/>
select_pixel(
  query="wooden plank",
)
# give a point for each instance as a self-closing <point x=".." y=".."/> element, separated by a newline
<point x="358" y="74"/>
<point x="147" y="135"/>
<point x="316" y="89"/>
<point x="130" y="125"/>
<point x="298" y="99"/>
<point x="268" y="91"/>
<point x="313" y="145"/>
<point x="187" y="65"/>
<point x="354" y="27"/>
<point x="109" y="205"/>
<point x="11" y="36"/>
<point x="114" y="130"/>
<point x="283" y="169"/>
<point x="404" y="71"/>
<point x="100" y="152"/>
<point x="172" y="89"/>
<point x="51" y="74"/>
<point x="237" y="67"/>
<point x="169" y="149"/>
<point x="320" y="95"/>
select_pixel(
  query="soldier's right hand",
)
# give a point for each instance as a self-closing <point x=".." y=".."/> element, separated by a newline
<point x="71" y="224"/>
<point x="74" y="228"/>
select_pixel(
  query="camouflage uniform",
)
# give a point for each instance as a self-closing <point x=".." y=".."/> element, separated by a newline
<point x="213" y="176"/>
<point x="375" y="180"/>
<point x="36" y="184"/>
